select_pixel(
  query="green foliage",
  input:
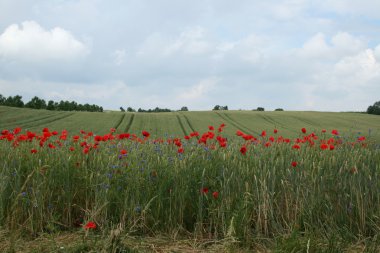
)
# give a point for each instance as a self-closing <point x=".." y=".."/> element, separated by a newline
<point x="2" y="100"/>
<point x="260" y="109"/>
<point x="220" y="108"/>
<point x="37" y="103"/>
<point x="15" y="101"/>
<point x="155" y="190"/>
<point x="167" y="123"/>
<point x="184" y="109"/>
<point x="279" y="110"/>
<point x="374" y="109"/>
<point x="157" y="109"/>
<point x="325" y="202"/>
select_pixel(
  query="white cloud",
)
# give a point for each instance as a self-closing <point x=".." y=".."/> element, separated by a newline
<point x="31" y="42"/>
<point x="340" y="45"/>
<point x="360" y="69"/>
<point x="191" y="41"/>
<point x="199" y="90"/>
<point x="368" y="8"/>
<point x="315" y="47"/>
<point x="119" y="56"/>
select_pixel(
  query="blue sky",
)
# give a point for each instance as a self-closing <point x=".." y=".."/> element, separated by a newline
<point x="294" y="54"/>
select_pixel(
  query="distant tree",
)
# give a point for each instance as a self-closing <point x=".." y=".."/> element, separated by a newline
<point x="279" y="109"/>
<point x="36" y="103"/>
<point x="2" y="100"/>
<point x="15" y="101"/>
<point x="157" y="109"/>
<point x="80" y="107"/>
<point x="225" y="108"/>
<point x="261" y="109"/>
<point x="184" y="109"/>
<point x="122" y="109"/>
<point x="130" y="109"/>
<point x="374" y="109"/>
<point x="51" y="106"/>
<point x="73" y="106"/>
<point x="216" y="108"/>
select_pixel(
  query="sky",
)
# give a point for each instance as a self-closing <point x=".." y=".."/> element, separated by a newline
<point x="307" y="55"/>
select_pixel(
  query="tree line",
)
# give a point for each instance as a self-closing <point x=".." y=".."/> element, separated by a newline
<point x="38" y="103"/>
<point x="374" y="109"/>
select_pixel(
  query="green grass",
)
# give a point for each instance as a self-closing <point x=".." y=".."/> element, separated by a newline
<point x="329" y="202"/>
<point x="176" y="123"/>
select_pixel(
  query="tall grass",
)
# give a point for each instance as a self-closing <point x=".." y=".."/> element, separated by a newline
<point x="154" y="189"/>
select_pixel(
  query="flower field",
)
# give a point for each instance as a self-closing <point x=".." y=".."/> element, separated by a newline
<point x="310" y="187"/>
<point x="246" y="187"/>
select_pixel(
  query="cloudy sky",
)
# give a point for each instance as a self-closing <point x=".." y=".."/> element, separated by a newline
<point x="295" y="54"/>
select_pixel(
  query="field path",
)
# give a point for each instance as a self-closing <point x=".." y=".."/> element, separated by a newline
<point x="34" y="119"/>
<point x="43" y="122"/>
<point x="130" y="122"/>
<point x="181" y="124"/>
<point x="235" y="123"/>
<point x="188" y="123"/>
<point x="120" y="121"/>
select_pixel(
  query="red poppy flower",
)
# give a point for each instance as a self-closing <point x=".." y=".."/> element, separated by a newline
<point x="263" y="133"/>
<point x="187" y="137"/>
<point x="332" y="147"/>
<point x="243" y="150"/>
<point x="123" y="152"/>
<point x="215" y="195"/>
<point x="303" y="130"/>
<point x="98" y="138"/>
<point x="180" y="150"/>
<point x="145" y="134"/>
<point x="294" y="164"/>
<point x="335" y="132"/>
<point x="239" y="133"/>
<point x="275" y="131"/>
<point x="323" y="130"/>
<point x="4" y="132"/>
<point x="324" y="146"/>
<point x="361" y="138"/>
<point x="85" y="150"/>
<point x="17" y="130"/>
<point x="194" y="134"/>
<point x="72" y="148"/>
<point x="296" y="146"/>
<point x="204" y="190"/>
<point x="247" y="137"/>
<point x="33" y="151"/>
<point x="90" y="225"/>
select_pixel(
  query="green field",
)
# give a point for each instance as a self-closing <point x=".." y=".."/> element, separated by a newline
<point x="179" y="124"/>
<point x="75" y="192"/>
